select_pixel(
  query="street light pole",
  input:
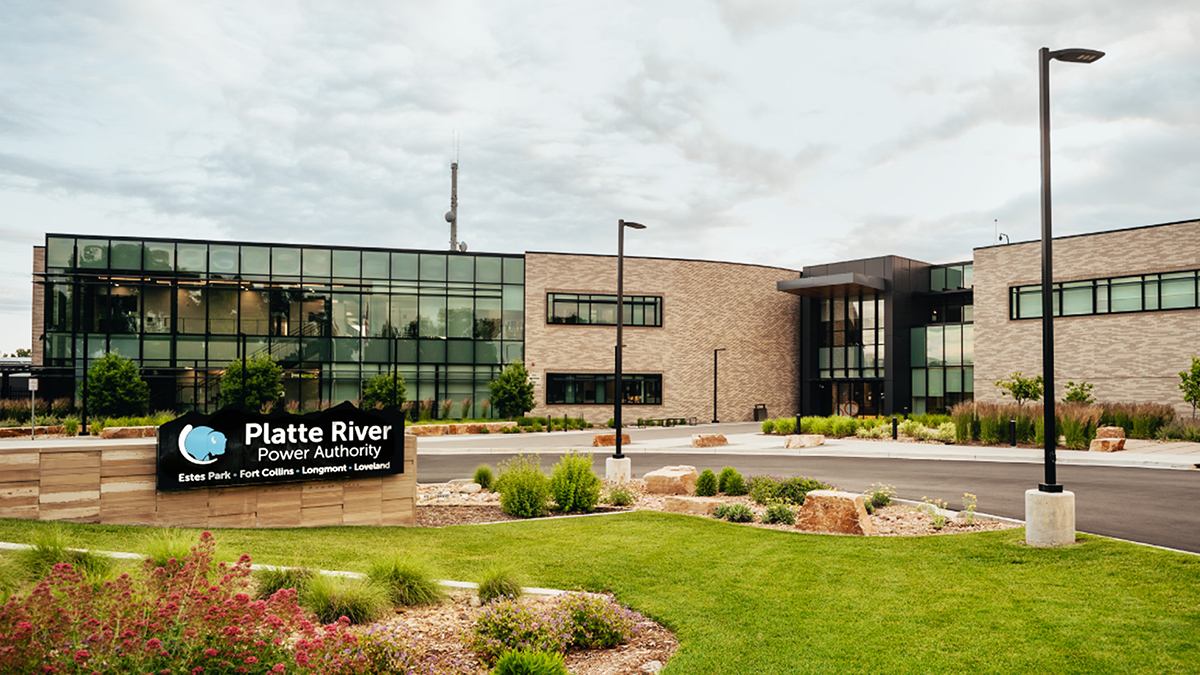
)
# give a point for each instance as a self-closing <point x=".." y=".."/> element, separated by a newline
<point x="619" y="394"/>
<point x="1049" y="511"/>
<point x="1050" y="440"/>
<point x="715" y="384"/>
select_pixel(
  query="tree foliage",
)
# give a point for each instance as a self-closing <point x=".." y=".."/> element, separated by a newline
<point x="1079" y="393"/>
<point x="1021" y="388"/>
<point x="383" y="390"/>
<point x="1189" y="384"/>
<point x="512" y="392"/>
<point x="115" y="387"/>
<point x="263" y="382"/>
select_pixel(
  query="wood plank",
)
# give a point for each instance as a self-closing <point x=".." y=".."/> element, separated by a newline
<point x="29" y="511"/>
<point x="76" y="513"/>
<point x="242" y="520"/>
<point x="182" y="509"/>
<point x="49" y="481"/>
<point x="398" y="512"/>
<point x="322" y="494"/>
<point x="70" y="462"/>
<point x="321" y="516"/>
<point x="232" y="501"/>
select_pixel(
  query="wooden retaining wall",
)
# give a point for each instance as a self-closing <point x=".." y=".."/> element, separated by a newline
<point x="113" y="482"/>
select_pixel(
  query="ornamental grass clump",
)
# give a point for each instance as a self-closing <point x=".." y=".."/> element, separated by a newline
<point x="51" y="548"/>
<point x="484" y="477"/>
<point x="498" y="583"/>
<point x="524" y="489"/>
<point x="163" y="545"/>
<point x="270" y="580"/>
<point x="706" y="484"/>
<point x="332" y="598"/>
<point x="573" y="484"/>
<point x="406" y="582"/>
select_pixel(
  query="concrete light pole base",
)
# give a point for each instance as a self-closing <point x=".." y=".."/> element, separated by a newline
<point x="1049" y="518"/>
<point x="621" y="470"/>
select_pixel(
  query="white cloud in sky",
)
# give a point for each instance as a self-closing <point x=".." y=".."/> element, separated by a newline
<point x="776" y="132"/>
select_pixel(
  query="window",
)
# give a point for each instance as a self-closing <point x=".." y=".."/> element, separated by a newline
<point x="1144" y="293"/>
<point x="601" y="310"/>
<point x="597" y="389"/>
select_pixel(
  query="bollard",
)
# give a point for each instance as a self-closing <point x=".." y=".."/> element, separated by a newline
<point x="1012" y="433"/>
<point x="895" y="428"/>
<point x="798" y="424"/>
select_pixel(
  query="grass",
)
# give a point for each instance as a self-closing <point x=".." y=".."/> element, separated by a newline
<point x="408" y="583"/>
<point x="748" y="600"/>
<point x="331" y="597"/>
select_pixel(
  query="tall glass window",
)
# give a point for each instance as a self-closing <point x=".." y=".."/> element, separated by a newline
<point x="1111" y="295"/>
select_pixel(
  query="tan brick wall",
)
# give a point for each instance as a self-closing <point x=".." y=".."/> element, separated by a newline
<point x="39" y="304"/>
<point x="706" y="305"/>
<point x="1128" y="357"/>
<point x="114" y="483"/>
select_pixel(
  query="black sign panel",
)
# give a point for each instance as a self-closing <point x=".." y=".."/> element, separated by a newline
<point x="237" y="447"/>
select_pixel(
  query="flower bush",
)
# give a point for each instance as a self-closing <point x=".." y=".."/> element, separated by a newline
<point x="569" y="621"/>
<point x="174" y="620"/>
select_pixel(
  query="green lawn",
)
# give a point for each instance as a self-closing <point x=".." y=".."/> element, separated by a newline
<point x="747" y="600"/>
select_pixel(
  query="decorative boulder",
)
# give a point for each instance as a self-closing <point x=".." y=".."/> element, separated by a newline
<point x="671" y="480"/>
<point x="804" y="441"/>
<point x="1108" y="439"/>
<point x="835" y="512"/>
<point x="608" y="440"/>
<point x="426" y="430"/>
<point x="696" y="506"/>
<point x="708" y="440"/>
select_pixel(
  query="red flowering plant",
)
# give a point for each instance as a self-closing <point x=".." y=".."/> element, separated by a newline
<point x="184" y="617"/>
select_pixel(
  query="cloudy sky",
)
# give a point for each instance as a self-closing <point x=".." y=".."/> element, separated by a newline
<point x="780" y="132"/>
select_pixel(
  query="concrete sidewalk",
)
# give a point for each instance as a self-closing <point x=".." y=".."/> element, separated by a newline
<point x="1146" y="454"/>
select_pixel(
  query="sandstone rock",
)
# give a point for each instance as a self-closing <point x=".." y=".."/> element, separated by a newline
<point x="652" y="667"/>
<point x="1110" y="432"/>
<point x="804" y="441"/>
<point x="469" y="488"/>
<point x="696" y="506"/>
<point x="1107" y="444"/>
<point x="426" y="430"/>
<point x="708" y="440"/>
<point x="671" y="480"/>
<point x="608" y="440"/>
<point x="129" y="432"/>
<point x="835" y="512"/>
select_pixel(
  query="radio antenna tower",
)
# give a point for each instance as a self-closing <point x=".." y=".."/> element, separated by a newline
<point x="452" y="214"/>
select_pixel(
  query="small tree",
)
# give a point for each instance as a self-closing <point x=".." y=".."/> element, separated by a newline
<point x="263" y="382"/>
<point x="512" y="392"/>
<point x="383" y="391"/>
<point x="1021" y="388"/>
<point x="1079" y="393"/>
<point x="115" y="387"/>
<point x="1189" y="384"/>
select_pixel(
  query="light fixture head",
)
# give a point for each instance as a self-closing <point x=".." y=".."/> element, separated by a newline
<point x="1076" y="55"/>
<point x="630" y="223"/>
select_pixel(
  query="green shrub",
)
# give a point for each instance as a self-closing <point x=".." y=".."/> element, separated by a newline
<point x="734" y="513"/>
<point x="768" y="426"/>
<point x="259" y="387"/>
<point x="498" y="583"/>
<point x="730" y="482"/>
<point x="619" y="495"/>
<point x="483" y="476"/>
<point x="874" y="431"/>
<point x="843" y="426"/>
<point x="785" y="426"/>
<point x="524" y="489"/>
<point x="1180" y="430"/>
<point x="50" y="547"/>
<point x="383" y="390"/>
<point x="881" y="495"/>
<point x="770" y="489"/>
<point x="331" y="598"/>
<point x="71" y="426"/>
<point x="406" y="582"/>
<point x="706" y="484"/>
<point x="779" y="514"/>
<point x="511" y="391"/>
<point x="115" y="387"/>
<point x="271" y="580"/>
<point x="573" y="484"/>
<point x="522" y="662"/>
<point x="946" y="432"/>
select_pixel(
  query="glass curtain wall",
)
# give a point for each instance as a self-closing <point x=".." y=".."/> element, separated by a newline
<point x="850" y="354"/>
<point x="332" y="317"/>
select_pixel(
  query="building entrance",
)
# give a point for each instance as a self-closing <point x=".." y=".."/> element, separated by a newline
<point x="852" y="398"/>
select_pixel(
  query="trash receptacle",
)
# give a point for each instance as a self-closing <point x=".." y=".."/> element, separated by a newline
<point x="760" y="412"/>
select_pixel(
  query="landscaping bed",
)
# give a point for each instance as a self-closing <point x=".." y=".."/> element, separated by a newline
<point x="440" y="505"/>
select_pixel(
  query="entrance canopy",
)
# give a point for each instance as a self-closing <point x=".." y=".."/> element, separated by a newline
<point x="833" y="285"/>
